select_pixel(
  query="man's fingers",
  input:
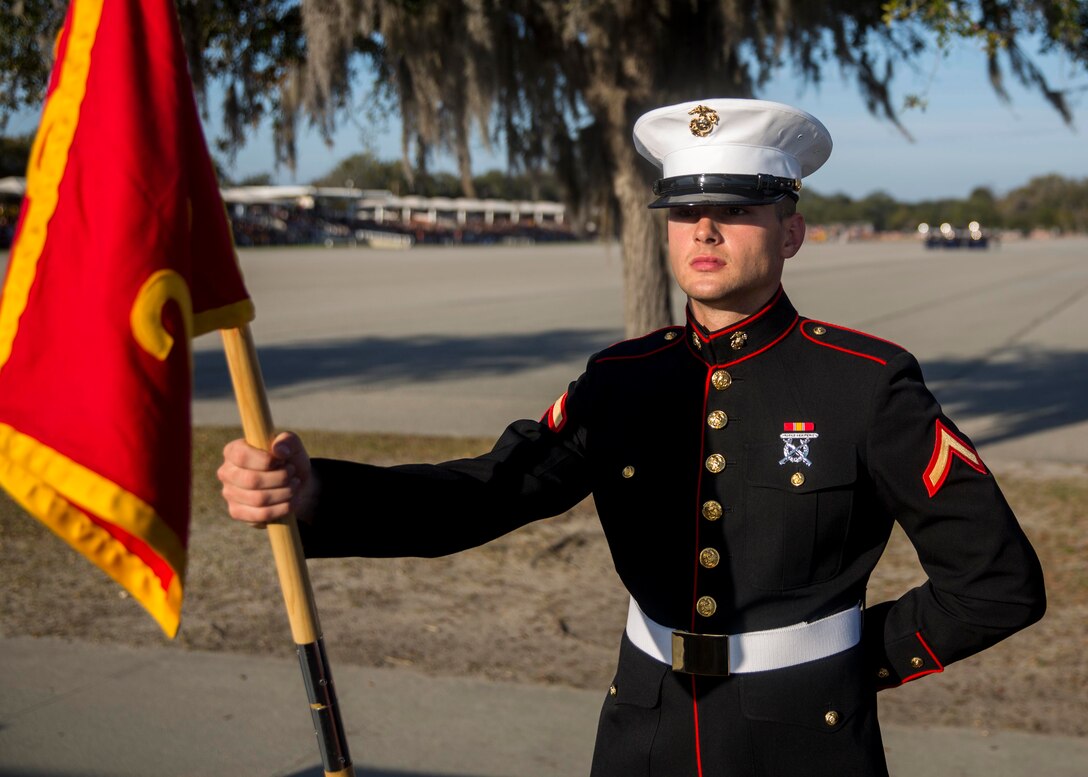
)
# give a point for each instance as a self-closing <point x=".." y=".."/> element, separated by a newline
<point x="258" y="515"/>
<point x="247" y="477"/>
<point x="244" y="456"/>
<point x="265" y="497"/>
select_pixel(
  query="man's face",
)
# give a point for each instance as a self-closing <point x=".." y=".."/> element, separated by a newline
<point x="730" y="257"/>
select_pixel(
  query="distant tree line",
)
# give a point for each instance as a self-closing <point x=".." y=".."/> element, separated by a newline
<point x="1046" y="202"/>
<point x="364" y="171"/>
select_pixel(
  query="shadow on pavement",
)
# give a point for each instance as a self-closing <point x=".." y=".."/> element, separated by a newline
<point x="1028" y="390"/>
<point x="377" y="361"/>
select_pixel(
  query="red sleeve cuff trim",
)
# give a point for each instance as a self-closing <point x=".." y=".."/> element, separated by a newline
<point x="938" y="670"/>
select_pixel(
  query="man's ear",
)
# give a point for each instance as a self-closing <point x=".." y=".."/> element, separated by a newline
<point x="793" y="234"/>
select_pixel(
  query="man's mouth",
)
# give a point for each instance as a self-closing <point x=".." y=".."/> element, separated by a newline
<point x="706" y="263"/>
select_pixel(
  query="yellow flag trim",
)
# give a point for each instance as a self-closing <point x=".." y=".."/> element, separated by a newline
<point x="227" y="317"/>
<point x="48" y="159"/>
<point x="49" y="486"/>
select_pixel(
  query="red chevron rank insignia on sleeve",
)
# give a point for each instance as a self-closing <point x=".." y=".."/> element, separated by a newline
<point x="555" y="417"/>
<point x="946" y="446"/>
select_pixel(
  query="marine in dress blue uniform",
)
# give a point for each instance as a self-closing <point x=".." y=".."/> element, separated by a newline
<point x="747" y="480"/>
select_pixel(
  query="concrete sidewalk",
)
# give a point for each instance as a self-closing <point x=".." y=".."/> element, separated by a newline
<point x="71" y="709"/>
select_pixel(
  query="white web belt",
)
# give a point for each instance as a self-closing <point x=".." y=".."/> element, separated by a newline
<point x="755" y="651"/>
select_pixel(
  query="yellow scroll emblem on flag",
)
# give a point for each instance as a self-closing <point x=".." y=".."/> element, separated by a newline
<point x="161" y="287"/>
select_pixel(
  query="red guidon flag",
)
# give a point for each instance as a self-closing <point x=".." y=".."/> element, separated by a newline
<point x="123" y="253"/>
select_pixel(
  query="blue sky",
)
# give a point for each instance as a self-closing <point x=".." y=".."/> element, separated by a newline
<point x="965" y="137"/>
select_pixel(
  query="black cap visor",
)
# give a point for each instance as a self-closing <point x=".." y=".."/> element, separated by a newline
<point x="721" y="189"/>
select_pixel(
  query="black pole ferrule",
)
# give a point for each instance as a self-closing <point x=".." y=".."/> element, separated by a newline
<point x="323" y="706"/>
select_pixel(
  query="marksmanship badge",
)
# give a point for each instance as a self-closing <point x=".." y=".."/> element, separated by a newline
<point x="704" y="121"/>
<point x="796" y="437"/>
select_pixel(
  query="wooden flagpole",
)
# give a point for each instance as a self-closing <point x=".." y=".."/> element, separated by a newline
<point x="249" y="391"/>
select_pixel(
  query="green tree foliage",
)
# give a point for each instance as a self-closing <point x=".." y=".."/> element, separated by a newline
<point x="999" y="28"/>
<point x="1048" y="201"/>
<point x="27" y="30"/>
<point x="259" y="179"/>
<point x="364" y="171"/>
<point x="14" y="153"/>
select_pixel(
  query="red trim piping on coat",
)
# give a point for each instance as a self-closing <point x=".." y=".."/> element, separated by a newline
<point x="695" y="714"/>
<point x="938" y="670"/>
<point x="695" y="573"/>
<point x="747" y="321"/>
<point x="853" y="331"/>
<point x="753" y="353"/>
<point x="857" y="332"/>
<point x="810" y="338"/>
<point x="670" y="344"/>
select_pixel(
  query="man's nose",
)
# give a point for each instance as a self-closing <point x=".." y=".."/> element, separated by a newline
<point x="706" y="231"/>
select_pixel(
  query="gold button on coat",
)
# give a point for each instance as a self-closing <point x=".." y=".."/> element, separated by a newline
<point x="670" y="335"/>
<point x="706" y="606"/>
<point x="738" y="340"/>
<point x="831" y="718"/>
<point x="819" y="330"/>
<point x="717" y="419"/>
<point x="797" y="479"/>
<point x="715" y="462"/>
<point x="721" y="379"/>
<point x="882" y="673"/>
<point x="628" y="471"/>
<point x="917" y="662"/>
<point x="709" y="558"/>
<point x="712" y="510"/>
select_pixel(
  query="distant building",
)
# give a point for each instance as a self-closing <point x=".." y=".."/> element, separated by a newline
<point x="382" y="206"/>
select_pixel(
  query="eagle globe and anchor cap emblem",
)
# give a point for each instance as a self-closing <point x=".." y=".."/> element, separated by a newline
<point x="796" y="437"/>
<point x="704" y="121"/>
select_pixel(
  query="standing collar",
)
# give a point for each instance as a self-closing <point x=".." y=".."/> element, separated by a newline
<point x="744" y="339"/>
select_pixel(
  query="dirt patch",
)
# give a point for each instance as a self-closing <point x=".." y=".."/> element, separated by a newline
<point x="542" y="605"/>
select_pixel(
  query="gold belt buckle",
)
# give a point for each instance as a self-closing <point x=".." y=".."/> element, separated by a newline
<point x="704" y="654"/>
